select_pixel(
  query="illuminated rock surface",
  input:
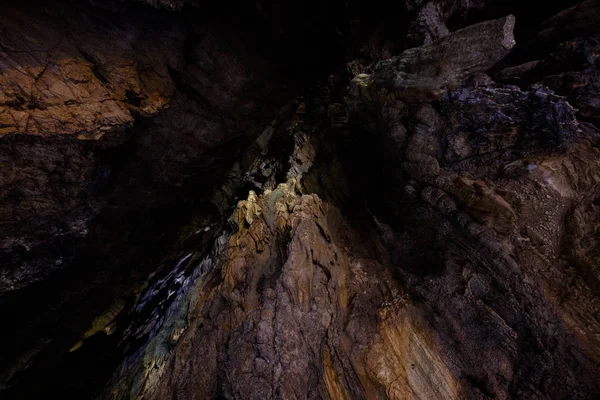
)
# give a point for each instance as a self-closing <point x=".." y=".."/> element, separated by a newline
<point x="333" y="199"/>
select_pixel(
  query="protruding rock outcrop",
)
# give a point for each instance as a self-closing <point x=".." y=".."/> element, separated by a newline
<point x="434" y="68"/>
<point x="291" y="307"/>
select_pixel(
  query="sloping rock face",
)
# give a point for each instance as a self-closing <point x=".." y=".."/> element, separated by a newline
<point x="421" y="223"/>
<point x="289" y="306"/>
<point x="491" y="235"/>
<point x="80" y="81"/>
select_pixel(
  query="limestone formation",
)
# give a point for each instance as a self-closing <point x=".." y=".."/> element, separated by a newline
<point x="434" y="68"/>
<point x="332" y="199"/>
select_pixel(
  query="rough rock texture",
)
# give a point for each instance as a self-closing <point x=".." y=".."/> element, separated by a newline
<point x="499" y="198"/>
<point x="430" y="18"/>
<point x="502" y="180"/>
<point x="433" y="68"/>
<point x="287" y="306"/>
<point x="418" y="223"/>
<point x="474" y="278"/>
<point x="571" y="70"/>
<point x="87" y="79"/>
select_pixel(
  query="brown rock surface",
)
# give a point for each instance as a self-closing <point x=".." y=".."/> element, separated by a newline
<point x="72" y="87"/>
<point x="417" y="227"/>
<point x="431" y="69"/>
<point x="292" y="308"/>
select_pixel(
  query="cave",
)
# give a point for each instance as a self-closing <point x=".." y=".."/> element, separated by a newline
<point x="327" y="199"/>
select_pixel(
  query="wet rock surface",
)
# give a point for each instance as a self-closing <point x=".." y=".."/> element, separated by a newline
<point x="186" y="216"/>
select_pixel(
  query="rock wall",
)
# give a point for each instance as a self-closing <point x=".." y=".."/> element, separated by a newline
<point x="418" y="221"/>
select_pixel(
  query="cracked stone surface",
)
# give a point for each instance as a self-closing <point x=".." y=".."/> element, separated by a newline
<point x="326" y="200"/>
